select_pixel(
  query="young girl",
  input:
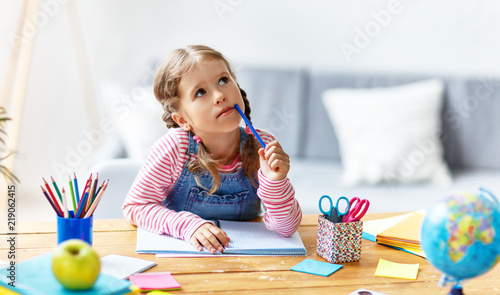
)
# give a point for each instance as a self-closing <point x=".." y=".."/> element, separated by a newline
<point x="207" y="167"/>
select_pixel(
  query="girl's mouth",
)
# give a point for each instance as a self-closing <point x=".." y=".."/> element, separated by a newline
<point x="226" y="111"/>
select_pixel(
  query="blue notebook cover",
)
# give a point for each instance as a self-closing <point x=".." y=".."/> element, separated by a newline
<point x="34" y="277"/>
<point x="247" y="238"/>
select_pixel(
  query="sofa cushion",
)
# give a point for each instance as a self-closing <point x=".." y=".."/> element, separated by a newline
<point x="389" y="134"/>
<point x="136" y="117"/>
<point x="471" y="122"/>
<point x="469" y="116"/>
<point x="319" y="137"/>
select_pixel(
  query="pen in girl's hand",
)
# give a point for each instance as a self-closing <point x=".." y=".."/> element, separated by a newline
<point x="250" y="125"/>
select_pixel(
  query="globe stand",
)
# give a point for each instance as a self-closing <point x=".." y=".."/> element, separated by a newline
<point x="456" y="290"/>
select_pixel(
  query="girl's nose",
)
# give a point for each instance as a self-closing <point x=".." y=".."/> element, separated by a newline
<point x="219" y="97"/>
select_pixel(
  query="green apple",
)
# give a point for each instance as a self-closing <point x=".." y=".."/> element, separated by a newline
<point x="76" y="265"/>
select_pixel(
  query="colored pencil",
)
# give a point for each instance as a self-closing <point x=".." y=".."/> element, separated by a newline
<point x="50" y="201"/>
<point x="77" y="194"/>
<point x="97" y="193"/>
<point x="54" y="199"/>
<point x="64" y="203"/>
<point x="92" y="191"/>
<point x="72" y="194"/>
<point x="48" y="188"/>
<point x="81" y="206"/>
<point x="57" y="189"/>
<point x="257" y="136"/>
<point x="86" y="185"/>
<point x="97" y="199"/>
<point x="86" y="190"/>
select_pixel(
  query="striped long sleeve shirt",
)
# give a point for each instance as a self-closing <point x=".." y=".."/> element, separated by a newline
<point x="160" y="172"/>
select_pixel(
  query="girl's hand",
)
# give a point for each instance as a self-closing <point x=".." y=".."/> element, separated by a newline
<point x="274" y="162"/>
<point x="210" y="237"/>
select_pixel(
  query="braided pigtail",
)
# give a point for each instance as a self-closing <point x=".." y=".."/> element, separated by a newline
<point x="203" y="162"/>
<point x="250" y="155"/>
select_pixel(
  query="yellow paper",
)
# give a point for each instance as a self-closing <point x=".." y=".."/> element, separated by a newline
<point x="414" y="251"/>
<point x="376" y="226"/>
<point x="6" y="291"/>
<point x="406" y="230"/>
<point x="396" y="243"/>
<point x="390" y="269"/>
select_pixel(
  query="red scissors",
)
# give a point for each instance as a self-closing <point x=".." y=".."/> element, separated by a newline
<point x="357" y="209"/>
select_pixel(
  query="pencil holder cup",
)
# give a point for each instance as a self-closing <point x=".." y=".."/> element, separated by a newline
<point x="339" y="242"/>
<point x="74" y="228"/>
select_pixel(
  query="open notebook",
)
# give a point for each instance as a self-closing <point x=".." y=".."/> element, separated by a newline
<point x="248" y="238"/>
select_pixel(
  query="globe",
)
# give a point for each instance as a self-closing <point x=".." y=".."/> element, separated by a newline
<point x="461" y="234"/>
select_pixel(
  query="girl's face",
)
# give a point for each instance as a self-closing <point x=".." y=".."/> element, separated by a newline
<point x="207" y="98"/>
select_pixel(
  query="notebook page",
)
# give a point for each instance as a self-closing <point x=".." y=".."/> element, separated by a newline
<point x="148" y="242"/>
<point x="246" y="238"/>
<point x="255" y="238"/>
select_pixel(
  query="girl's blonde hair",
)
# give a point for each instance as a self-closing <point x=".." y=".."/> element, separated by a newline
<point x="166" y="88"/>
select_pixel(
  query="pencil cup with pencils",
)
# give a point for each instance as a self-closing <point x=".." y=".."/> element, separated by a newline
<point x="74" y="228"/>
<point x="76" y="223"/>
<point x="339" y="242"/>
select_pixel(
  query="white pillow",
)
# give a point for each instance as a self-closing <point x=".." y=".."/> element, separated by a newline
<point x="389" y="135"/>
<point x="136" y="115"/>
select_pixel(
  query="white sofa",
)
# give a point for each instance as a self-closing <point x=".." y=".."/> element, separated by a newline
<point x="287" y="102"/>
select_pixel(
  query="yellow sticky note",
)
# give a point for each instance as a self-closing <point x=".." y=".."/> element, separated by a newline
<point x="390" y="269"/>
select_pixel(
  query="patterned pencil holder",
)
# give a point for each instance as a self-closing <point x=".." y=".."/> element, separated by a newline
<point x="339" y="242"/>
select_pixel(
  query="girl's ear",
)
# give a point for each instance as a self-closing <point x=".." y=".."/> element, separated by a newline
<point x="181" y="121"/>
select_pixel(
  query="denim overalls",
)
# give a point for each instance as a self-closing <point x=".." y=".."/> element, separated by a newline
<point x="235" y="199"/>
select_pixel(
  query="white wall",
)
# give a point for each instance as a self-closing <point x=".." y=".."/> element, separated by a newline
<point x="424" y="36"/>
<point x="123" y="37"/>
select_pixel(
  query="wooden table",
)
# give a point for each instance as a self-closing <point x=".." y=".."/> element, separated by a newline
<point x="257" y="275"/>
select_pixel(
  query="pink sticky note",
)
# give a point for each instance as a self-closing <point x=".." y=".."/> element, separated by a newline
<point x="155" y="281"/>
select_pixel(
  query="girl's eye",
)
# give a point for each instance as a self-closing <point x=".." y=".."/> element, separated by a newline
<point x="200" y="92"/>
<point x="223" y="80"/>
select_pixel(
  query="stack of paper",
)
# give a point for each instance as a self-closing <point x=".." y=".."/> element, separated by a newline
<point x="401" y="232"/>
<point x="404" y="234"/>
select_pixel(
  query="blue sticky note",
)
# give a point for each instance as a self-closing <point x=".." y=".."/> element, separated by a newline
<point x="316" y="267"/>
